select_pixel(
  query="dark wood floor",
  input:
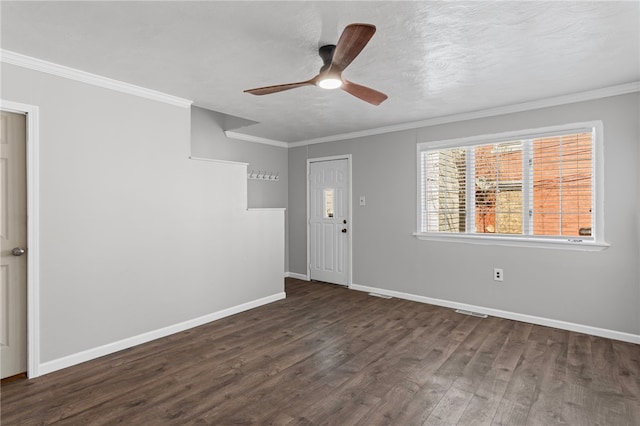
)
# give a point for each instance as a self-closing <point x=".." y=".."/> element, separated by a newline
<point x="328" y="355"/>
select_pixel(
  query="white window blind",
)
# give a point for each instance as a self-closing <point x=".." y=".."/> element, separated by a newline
<point x="444" y="195"/>
<point x="498" y="188"/>
<point x="539" y="187"/>
<point x="562" y="185"/>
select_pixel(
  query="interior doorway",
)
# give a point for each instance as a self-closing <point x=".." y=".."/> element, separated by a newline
<point x="30" y="127"/>
<point x="13" y="237"/>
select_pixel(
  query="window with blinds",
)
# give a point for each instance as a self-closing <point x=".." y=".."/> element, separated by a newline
<point x="444" y="195"/>
<point x="539" y="186"/>
<point x="562" y="185"/>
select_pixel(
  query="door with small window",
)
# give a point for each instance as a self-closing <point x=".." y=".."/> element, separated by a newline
<point x="328" y="221"/>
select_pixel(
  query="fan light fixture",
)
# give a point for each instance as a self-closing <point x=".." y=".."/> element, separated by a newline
<point x="330" y="83"/>
<point x="335" y="58"/>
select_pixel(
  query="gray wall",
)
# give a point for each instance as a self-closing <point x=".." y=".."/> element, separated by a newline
<point x="209" y="141"/>
<point x="134" y="236"/>
<point x="600" y="289"/>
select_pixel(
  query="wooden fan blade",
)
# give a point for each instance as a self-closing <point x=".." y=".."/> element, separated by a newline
<point x="362" y="92"/>
<point x="353" y="39"/>
<point x="280" y="87"/>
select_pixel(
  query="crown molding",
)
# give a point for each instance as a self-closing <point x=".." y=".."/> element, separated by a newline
<point x="256" y="139"/>
<point x="13" y="58"/>
<point x="35" y="64"/>
<point x="606" y="92"/>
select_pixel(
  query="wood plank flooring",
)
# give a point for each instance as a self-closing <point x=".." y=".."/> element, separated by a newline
<point x="329" y="355"/>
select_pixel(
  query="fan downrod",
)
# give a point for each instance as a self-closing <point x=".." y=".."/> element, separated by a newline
<point x="326" y="54"/>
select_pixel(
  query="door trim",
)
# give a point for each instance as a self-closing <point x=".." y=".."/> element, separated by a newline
<point x="348" y="261"/>
<point x="33" y="231"/>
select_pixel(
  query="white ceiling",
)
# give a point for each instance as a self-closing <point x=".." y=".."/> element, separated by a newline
<point x="432" y="59"/>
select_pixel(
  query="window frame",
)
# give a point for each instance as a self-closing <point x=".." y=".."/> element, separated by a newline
<point x="595" y="243"/>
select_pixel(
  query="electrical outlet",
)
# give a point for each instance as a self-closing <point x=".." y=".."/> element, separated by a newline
<point x="498" y="274"/>
<point x="363" y="202"/>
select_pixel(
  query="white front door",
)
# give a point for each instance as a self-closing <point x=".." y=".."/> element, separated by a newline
<point x="13" y="233"/>
<point x="329" y="225"/>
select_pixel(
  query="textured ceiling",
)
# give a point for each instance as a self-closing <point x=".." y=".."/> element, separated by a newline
<point x="432" y="59"/>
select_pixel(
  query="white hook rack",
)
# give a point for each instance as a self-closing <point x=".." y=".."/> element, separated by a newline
<point x="260" y="175"/>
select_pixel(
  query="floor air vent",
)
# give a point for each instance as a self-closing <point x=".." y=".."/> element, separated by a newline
<point x="382" y="296"/>
<point x="473" y="314"/>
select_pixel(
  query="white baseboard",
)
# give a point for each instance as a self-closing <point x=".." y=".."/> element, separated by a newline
<point x="89" y="354"/>
<point x="296" y="275"/>
<point x="580" y="328"/>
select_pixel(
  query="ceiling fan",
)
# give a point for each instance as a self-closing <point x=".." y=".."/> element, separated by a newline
<point x="336" y="58"/>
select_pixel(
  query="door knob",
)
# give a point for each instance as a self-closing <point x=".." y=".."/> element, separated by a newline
<point x="18" y="251"/>
<point x="344" y="230"/>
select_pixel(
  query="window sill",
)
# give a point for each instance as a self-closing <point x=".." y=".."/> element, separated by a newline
<point x="515" y="242"/>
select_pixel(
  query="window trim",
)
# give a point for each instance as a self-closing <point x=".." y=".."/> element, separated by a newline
<point x="595" y="244"/>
